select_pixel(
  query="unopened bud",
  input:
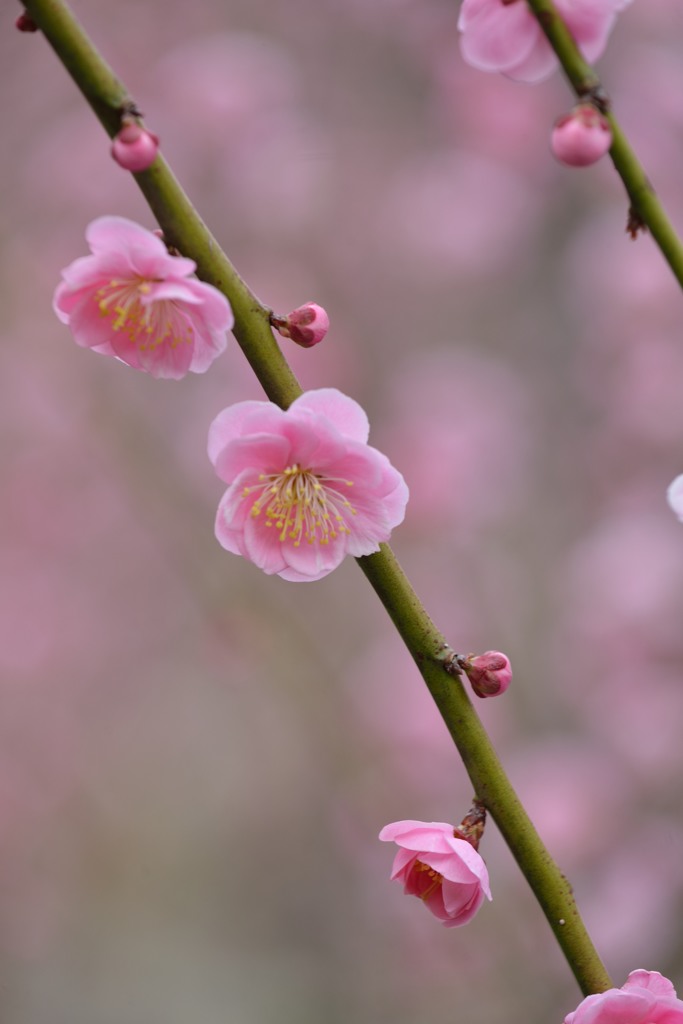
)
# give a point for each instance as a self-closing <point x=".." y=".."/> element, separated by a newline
<point x="25" y="23"/>
<point x="581" y="137"/>
<point x="306" y="325"/>
<point x="134" y="147"/>
<point x="490" y="673"/>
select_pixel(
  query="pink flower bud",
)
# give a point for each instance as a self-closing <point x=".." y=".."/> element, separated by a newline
<point x="306" y="325"/>
<point x="490" y="674"/>
<point x="25" y="23"/>
<point x="581" y="137"/>
<point x="134" y="148"/>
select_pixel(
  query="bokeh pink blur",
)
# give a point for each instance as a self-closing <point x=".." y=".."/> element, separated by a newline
<point x="196" y="759"/>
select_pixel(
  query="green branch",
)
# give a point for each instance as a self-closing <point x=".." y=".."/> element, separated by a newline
<point x="184" y="229"/>
<point x="646" y="208"/>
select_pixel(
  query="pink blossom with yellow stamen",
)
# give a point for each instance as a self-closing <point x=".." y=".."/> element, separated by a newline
<point x="132" y="299"/>
<point x="305" y="487"/>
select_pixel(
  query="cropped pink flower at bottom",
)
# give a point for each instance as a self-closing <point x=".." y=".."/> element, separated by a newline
<point x="647" y="997"/>
<point x="305" y="487"/>
<point x="445" y="872"/>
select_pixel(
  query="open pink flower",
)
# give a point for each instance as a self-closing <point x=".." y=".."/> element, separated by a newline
<point x="131" y="299"/>
<point x="446" y="872"/>
<point x="646" y="998"/>
<point x="305" y="488"/>
<point x="503" y="35"/>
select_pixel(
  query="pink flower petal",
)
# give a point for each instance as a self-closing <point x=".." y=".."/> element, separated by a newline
<point x="242" y="419"/>
<point x="419" y="835"/>
<point x="348" y="416"/>
<point x="239" y="455"/>
<point x="652" y="981"/>
<point x="615" y="1007"/>
<point x="497" y="37"/>
<point x="402" y="863"/>
<point x="263" y="547"/>
<point x="170" y="361"/>
<point x="312" y="562"/>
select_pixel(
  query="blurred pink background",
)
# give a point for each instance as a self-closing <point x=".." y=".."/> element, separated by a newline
<point x="195" y="759"/>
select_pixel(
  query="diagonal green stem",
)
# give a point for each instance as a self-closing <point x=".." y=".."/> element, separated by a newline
<point x="645" y="204"/>
<point x="184" y="229"/>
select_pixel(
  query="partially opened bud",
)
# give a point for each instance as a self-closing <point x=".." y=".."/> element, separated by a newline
<point x="435" y="863"/>
<point x="134" y="147"/>
<point x="581" y="137"/>
<point x="490" y="673"/>
<point x="306" y="325"/>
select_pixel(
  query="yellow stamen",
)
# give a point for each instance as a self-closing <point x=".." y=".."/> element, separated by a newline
<point x="302" y="505"/>
<point x="146" y="325"/>
<point x="436" y="877"/>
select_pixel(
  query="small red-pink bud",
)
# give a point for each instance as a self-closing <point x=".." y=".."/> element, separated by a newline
<point x="581" y="137"/>
<point x="490" y="673"/>
<point x="25" y="23"/>
<point x="306" y="325"/>
<point x="134" y="147"/>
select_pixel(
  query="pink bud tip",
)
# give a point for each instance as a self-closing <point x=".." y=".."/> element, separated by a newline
<point x="134" y="147"/>
<point x="581" y="137"/>
<point x="25" y="23"/>
<point x="306" y="325"/>
<point x="490" y="673"/>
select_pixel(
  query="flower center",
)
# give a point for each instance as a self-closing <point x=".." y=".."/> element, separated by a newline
<point x="302" y="505"/>
<point x="147" y="325"/>
<point x="430" y="881"/>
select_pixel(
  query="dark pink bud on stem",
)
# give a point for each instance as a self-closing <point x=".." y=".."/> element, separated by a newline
<point x="581" y="137"/>
<point x="25" y="23"/>
<point x="306" y="325"/>
<point x="490" y="673"/>
<point x="134" y="147"/>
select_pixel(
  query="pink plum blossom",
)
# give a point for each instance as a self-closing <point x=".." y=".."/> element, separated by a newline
<point x="645" y="998"/>
<point x="674" y="496"/>
<point x="132" y="299"/>
<point x="305" y="488"/>
<point x="503" y="35"/>
<point x="444" y="871"/>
